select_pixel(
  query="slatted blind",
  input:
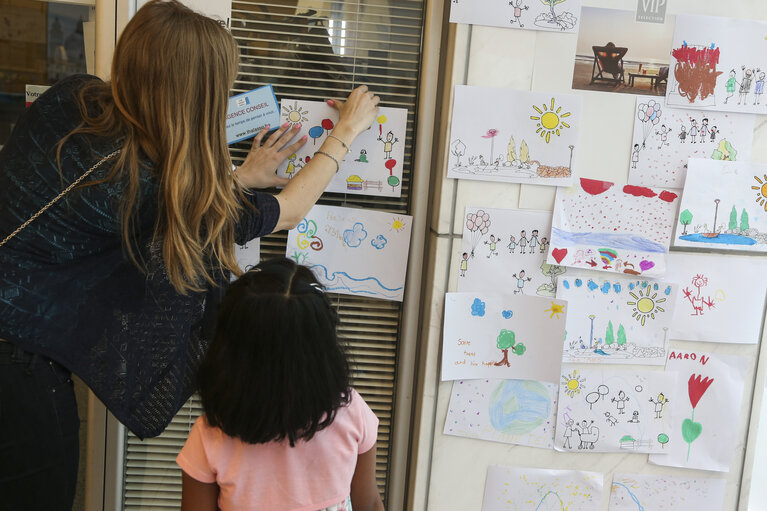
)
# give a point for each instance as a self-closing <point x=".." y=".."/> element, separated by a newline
<point x="314" y="50"/>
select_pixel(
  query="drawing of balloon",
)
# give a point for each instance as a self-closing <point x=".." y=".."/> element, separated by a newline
<point x="327" y="124"/>
<point x="591" y="398"/>
<point x="381" y="121"/>
<point x="393" y="181"/>
<point x="390" y="164"/>
<point x="649" y="115"/>
<point x="477" y="223"/>
<point x="603" y="390"/>
<point x="316" y="132"/>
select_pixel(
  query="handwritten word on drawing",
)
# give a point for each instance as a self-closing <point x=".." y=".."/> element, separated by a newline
<point x="683" y="355"/>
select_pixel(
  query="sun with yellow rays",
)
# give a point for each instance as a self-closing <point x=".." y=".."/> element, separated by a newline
<point x="295" y="113"/>
<point x="550" y="120"/>
<point x="761" y="191"/>
<point x="573" y="383"/>
<point x="646" y="305"/>
<point x="398" y="224"/>
<point x="556" y="309"/>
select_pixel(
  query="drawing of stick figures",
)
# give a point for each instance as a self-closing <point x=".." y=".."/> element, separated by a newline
<point x="635" y="156"/>
<point x="518" y="12"/>
<point x="291" y="166"/>
<point x="610" y="418"/>
<point x="568" y="435"/>
<point x="388" y="144"/>
<point x="521" y="282"/>
<point x="659" y="404"/>
<point x="620" y="402"/>
<point x="759" y="90"/>
<point x="493" y="244"/>
<point x="512" y="244"/>
<point x="464" y="264"/>
<point x="730" y="86"/>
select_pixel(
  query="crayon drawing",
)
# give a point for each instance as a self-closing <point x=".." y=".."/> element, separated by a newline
<point x="718" y="64"/>
<point x="520" y="412"/>
<point x="513" y="136"/>
<point x="645" y="492"/>
<point x="608" y="410"/>
<point x="665" y="138"/>
<point x="602" y="226"/>
<point x="724" y="206"/>
<point x="536" y="489"/>
<point x="505" y="250"/>
<point x="616" y="320"/>
<point x="549" y="15"/>
<point x="354" y="251"/>
<point x="503" y="336"/>
<point x="709" y="390"/>
<point x="721" y="298"/>
<point x="374" y="163"/>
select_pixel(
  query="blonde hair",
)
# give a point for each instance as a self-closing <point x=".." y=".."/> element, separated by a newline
<point x="167" y="100"/>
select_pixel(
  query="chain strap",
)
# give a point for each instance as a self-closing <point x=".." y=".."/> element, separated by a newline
<point x="59" y="196"/>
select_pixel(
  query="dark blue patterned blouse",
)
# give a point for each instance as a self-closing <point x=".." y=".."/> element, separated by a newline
<point x="66" y="290"/>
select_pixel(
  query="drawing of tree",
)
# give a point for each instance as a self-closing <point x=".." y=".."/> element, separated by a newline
<point x="685" y="218"/>
<point x="565" y="20"/>
<point x="491" y="134"/>
<point x="524" y="153"/>
<point x="744" y="220"/>
<point x="621" y="335"/>
<point x="695" y="70"/>
<point x="552" y="271"/>
<point x="506" y="341"/>
<point x="458" y="149"/>
<point x="511" y="152"/>
<point x="733" y="219"/>
<point x="609" y="336"/>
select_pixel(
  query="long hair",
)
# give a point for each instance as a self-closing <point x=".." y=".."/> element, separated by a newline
<point x="167" y="101"/>
<point x="275" y="369"/>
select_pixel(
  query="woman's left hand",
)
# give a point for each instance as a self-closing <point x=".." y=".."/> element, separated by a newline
<point x="260" y="166"/>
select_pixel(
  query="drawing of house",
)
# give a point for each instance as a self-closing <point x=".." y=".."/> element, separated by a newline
<point x="354" y="182"/>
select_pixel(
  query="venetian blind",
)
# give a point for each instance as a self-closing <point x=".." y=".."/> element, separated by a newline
<point x="314" y="49"/>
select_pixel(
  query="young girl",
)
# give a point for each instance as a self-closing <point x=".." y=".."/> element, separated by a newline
<point x="282" y="428"/>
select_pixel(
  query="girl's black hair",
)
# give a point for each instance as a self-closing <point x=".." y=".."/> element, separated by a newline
<point x="275" y="369"/>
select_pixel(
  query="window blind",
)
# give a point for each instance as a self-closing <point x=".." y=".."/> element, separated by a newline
<point x="314" y="50"/>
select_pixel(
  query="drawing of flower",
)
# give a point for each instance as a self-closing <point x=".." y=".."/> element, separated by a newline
<point x="491" y="134"/>
<point x="695" y="70"/>
<point x="696" y="387"/>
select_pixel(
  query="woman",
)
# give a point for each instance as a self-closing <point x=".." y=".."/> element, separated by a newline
<point x="118" y="281"/>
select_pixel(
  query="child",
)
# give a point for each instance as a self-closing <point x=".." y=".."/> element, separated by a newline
<point x="282" y="428"/>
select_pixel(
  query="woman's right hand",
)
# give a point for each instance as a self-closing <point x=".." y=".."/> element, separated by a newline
<point x="357" y="113"/>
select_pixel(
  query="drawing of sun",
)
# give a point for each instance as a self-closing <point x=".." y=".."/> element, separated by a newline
<point x="550" y="120"/>
<point x="646" y="306"/>
<point x="573" y="383"/>
<point x="761" y="191"/>
<point x="556" y="309"/>
<point x="295" y="113"/>
<point x="398" y="224"/>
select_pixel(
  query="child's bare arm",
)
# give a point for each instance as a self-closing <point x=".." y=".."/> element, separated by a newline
<point x="198" y="496"/>
<point x="365" y="496"/>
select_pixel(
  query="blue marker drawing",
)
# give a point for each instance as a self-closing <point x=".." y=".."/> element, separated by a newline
<point x="340" y="280"/>
<point x="617" y="288"/>
<point x="507" y="314"/>
<point x="606" y="287"/>
<point x="478" y="308"/>
<point x="566" y="284"/>
<point x="379" y="242"/>
<point x="353" y="237"/>
<point x="561" y="504"/>
<point x="640" y="507"/>
<point x="592" y="285"/>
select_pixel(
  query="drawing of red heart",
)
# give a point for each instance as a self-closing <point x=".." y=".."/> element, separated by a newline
<point x="559" y="254"/>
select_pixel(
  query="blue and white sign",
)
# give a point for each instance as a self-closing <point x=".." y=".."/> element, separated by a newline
<point x="249" y="112"/>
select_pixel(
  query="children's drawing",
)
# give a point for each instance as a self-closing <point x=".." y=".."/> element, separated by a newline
<point x="709" y="392"/>
<point x="645" y="492"/>
<point x="598" y="225"/>
<point x="517" y="412"/>
<point x="513" y="136"/>
<point x="536" y="489"/>
<point x="609" y="410"/>
<point x="248" y="255"/>
<point x="721" y="299"/>
<point x="354" y="251"/>
<point x="718" y="210"/>
<point x="717" y="64"/>
<point x="551" y="15"/>
<point x="506" y="250"/>
<point x="616" y="320"/>
<point x="374" y="163"/>
<point x="660" y="148"/>
<point x="496" y="335"/>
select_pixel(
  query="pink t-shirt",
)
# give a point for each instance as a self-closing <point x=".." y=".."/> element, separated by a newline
<point x="274" y="476"/>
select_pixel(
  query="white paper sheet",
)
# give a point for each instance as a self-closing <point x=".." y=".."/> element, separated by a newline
<point x="718" y="64"/>
<point x="495" y="335"/>
<point x="723" y="207"/>
<point x="513" y="136"/>
<point x="505" y="250"/>
<point x="707" y="414"/>
<point x="721" y="297"/>
<point x="536" y="489"/>
<point x="354" y="251"/>
<point x="634" y="492"/>
<point x="374" y="163"/>
<point x="665" y="138"/>
<point x="520" y="14"/>
<point x="520" y="412"/>
<point x="615" y="410"/>
<point x="615" y="319"/>
<point x="599" y="225"/>
<point x="248" y="255"/>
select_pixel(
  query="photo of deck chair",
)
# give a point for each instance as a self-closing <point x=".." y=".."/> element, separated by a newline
<point x="608" y="64"/>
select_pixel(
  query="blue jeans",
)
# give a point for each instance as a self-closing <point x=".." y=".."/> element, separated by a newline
<point x="39" y="428"/>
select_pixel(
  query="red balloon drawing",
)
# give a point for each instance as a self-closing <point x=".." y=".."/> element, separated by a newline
<point x="390" y="164"/>
<point x="327" y="124"/>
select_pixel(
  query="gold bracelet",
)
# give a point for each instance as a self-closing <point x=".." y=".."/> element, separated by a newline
<point x="330" y="135"/>
<point x="338" y="165"/>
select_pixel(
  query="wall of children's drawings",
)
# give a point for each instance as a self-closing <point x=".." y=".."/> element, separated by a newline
<point x="650" y="245"/>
